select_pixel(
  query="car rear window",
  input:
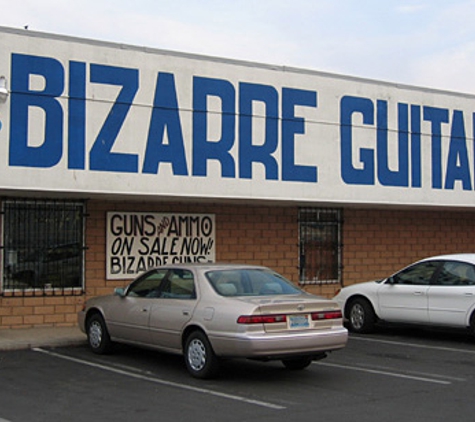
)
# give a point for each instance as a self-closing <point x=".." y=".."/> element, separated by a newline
<point x="250" y="282"/>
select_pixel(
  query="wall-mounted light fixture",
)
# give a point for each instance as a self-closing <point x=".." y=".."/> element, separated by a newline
<point x="3" y="89"/>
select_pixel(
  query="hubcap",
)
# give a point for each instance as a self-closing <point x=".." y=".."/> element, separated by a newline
<point x="357" y="316"/>
<point x="197" y="355"/>
<point x="95" y="334"/>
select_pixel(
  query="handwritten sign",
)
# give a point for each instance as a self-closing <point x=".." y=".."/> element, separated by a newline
<point x="137" y="242"/>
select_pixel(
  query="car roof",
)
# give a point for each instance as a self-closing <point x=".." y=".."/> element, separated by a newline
<point x="205" y="266"/>
<point x="461" y="257"/>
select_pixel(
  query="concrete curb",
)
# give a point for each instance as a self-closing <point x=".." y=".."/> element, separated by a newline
<point x="28" y="338"/>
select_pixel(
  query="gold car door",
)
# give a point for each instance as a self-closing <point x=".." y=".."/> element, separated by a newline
<point x="129" y="318"/>
<point x="174" y="307"/>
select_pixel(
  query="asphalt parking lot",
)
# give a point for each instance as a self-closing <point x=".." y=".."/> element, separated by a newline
<point x="393" y="375"/>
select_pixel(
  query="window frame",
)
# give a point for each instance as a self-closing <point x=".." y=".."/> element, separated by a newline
<point x="326" y="222"/>
<point x="161" y="287"/>
<point x="413" y="270"/>
<point x="22" y="237"/>
<point x="445" y="271"/>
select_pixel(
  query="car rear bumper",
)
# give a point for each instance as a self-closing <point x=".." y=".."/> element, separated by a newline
<point x="276" y="346"/>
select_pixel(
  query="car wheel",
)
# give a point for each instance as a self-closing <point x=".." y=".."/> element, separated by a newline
<point x="97" y="335"/>
<point x="361" y="316"/>
<point x="296" y="364"/>
<point x="200" y="359"/>
<point x="472" y="325"/>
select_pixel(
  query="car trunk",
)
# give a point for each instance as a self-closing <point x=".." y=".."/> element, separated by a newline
<point x="297" y="312"/>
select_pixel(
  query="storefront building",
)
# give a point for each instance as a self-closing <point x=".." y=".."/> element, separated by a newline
<point x="116" y="158"/>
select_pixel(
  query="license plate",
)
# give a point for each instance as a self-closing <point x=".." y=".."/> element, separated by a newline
<point x="298" y="321"/>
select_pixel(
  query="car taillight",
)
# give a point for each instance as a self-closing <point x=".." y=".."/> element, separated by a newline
<point x="272" y="319"/>
<point x="261" y="319"/>
<point x="317" y="316"/>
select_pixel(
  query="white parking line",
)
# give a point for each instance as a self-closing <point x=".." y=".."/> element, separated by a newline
<point x="419" y="346"/>
<point x="386" y="373"/>
<point x="163" y="382"/>
<point x="4" y="420"/>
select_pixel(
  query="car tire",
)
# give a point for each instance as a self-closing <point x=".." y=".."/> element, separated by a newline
<point x="472" y="325"/>
<point x="200" y="358"/>
<point x="361" y="316"/>
<point x="296" y="364"/>
<point x="98" y="335"/>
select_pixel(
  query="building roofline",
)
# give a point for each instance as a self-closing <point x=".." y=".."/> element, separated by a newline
<point x="236" y="62"/>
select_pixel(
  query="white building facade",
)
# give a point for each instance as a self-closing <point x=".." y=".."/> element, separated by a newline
<point x="116" y="158"/>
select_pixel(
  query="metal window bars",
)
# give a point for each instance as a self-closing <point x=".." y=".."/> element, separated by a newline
<point x="320" y="246"/>
<point x="42" y="250"/>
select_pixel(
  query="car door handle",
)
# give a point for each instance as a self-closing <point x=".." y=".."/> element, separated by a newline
<point x="468" y="294"/>
<point x="186" y="313"/>
<point x="144" y="310"/>
<point x="418" y="293"/>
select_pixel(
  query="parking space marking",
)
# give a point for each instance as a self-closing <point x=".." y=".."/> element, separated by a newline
<point x="385" y="373"/>
<point x="430" y="375"/>
<point x="163" y="382"/>
<point x="419" y="346"/>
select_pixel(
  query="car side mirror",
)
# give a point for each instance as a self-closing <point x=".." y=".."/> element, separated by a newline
<point x="391" y="281"/>
<point x="119" y="291"/>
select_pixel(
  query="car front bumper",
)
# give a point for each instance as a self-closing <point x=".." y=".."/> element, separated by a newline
<point x="82" y="321"/>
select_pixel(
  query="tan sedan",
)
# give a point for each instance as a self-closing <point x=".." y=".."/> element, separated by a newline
<point x="209" y="312"/>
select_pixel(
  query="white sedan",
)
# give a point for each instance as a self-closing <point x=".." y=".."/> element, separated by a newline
<point x="209" y="312"/>
<point x="437" y="291"/>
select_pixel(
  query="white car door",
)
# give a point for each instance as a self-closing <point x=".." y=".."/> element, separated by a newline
<point x="404" y="296"/>
<point x="452" y="297"/>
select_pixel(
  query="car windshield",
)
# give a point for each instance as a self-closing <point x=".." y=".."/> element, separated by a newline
<point x="250" y="282"/>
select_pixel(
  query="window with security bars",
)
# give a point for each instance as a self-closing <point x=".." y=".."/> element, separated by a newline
<point x="43" y="247"/>
<point x="320" y="246"/>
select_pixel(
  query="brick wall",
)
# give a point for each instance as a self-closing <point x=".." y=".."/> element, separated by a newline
<point x="375" y="244"/>
<point x="244" y="234"/>
<point x="26" y="312"/>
